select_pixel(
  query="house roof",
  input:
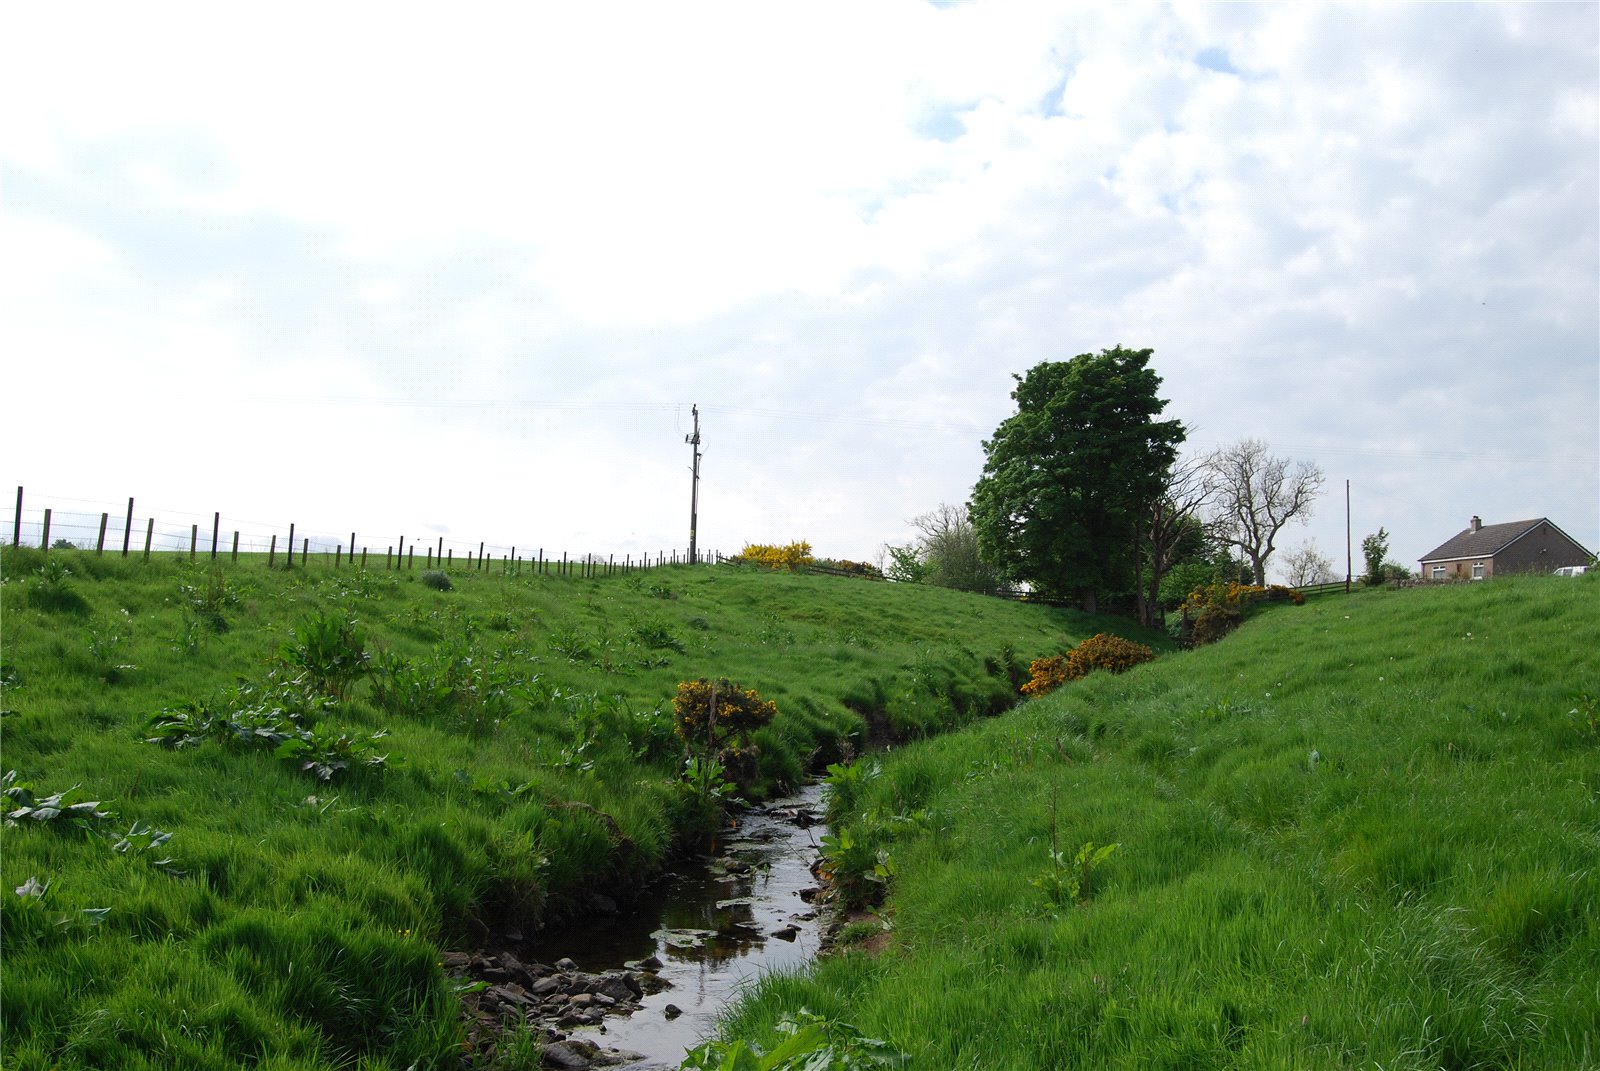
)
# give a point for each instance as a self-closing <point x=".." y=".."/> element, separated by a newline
<point x="1488" y="540"/>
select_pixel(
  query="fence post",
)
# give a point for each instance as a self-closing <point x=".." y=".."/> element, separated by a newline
<point x="305" y="551"/>
<point x="352" y="548"/>
<point x="194" y="539"/>
<point x="44" y="540"/>
<point x="338" y="552"/>
<point x="216" y="530"/>
<point x="290" y="547"/>
<point x="480" y="556"/>
<point x="236" y="545"/>
<point x="272" y="551"/>
<point x="363" y="557"/>
<point x="100" y="541"/>
<point x="127" y="528"/>
<point x="16" y="521"/>
<point x="563" y="556"/>
<point x="411" y="556"/>
<point x="149" y="533"/>
<point x="388" y="557"/>
<point x="401" y="556"/>
<point x="428" y="563"/>
<point x="451" y="559"/>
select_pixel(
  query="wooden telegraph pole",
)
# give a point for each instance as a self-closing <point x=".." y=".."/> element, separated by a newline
<point x="694" y="486"/>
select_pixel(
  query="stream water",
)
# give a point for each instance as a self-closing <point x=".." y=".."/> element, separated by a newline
<point x="715" y="925"/>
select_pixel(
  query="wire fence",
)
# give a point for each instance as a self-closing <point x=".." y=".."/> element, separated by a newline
<point x="127" y="529"/>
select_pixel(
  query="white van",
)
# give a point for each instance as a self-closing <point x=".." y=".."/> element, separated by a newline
<point x="1572" y="570"/>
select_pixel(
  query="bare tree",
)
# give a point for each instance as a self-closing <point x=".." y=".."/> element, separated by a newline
<point x="1306" y="565"/>
<point x="1255" y="495"/>
<point x="948" y="551"/>
<point x="1172" y="517"/>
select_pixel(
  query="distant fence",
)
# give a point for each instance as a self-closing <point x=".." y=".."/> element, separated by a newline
<point x="53" y="523"/>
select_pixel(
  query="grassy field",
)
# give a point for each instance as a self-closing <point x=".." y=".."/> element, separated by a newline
<point x="1361" y="833"/>
<point x="210" y="900"/>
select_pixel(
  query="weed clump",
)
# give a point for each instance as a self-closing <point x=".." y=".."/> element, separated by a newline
<point x="330" y="650"/>
<point x="433" y="578"/>
<point x="53" y="590"/>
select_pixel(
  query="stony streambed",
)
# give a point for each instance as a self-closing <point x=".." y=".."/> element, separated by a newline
<point x="637" y="990"/>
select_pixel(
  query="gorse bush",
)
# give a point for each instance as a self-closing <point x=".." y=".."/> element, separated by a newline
<point x="433" y="578"/>
<point x="1214" y="610"/>
<point x="791" y="556"/>
<point x="1239" y="595"/>
<point x="1100" y="651"/>
<point x="1103" y="651"/>
<point x="709" y="715"/>
<point x="1045" y="675"/>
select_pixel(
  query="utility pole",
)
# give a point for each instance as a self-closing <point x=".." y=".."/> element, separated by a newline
<point x="1349" y="562"/>
<point x="694" y="487"/>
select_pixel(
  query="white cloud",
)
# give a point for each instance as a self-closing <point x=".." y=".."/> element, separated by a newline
<point x="1366" y="233"/>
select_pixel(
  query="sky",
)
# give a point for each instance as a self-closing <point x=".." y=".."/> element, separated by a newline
<point x="465" y="274"/>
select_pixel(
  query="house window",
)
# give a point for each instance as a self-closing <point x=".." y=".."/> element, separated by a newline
<point x="1438" y="572"/>
<point x="1477" y="570"/>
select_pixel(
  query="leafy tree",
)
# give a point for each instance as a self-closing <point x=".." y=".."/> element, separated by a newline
<point x="1374" y="548"/>
<point x="1256" y="495"/>
<point x="905" y="564"/>
<point x="1069" y="478"/>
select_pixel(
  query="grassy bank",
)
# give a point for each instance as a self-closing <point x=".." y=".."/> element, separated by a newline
<point x="1358" y="833"/>
<point x="226" y="904"/>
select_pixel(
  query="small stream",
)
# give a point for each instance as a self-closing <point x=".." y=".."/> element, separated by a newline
<point x="715" y="925"/>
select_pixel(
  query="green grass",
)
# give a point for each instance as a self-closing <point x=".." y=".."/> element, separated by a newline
<point x="295" y="923"/>
<point x="1358" y="833"/>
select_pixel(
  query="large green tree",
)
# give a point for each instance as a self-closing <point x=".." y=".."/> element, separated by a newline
<point x="1069" y="478"/>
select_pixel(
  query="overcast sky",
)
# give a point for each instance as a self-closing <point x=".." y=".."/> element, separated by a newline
<point x="462" y="271"/>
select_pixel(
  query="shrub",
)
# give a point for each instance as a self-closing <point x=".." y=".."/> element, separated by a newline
<point x="850" y="568"/>
<point x="1100" y="651"/>
<point x="1215" y="622"/>
<point x="712" y="714"/>
<point x="790" y="557"/>
<point x="1213" y="611"/>
<point x="1239" y="596"/>
<point x="1045" y="675"/>
<point x="433" y="578"/>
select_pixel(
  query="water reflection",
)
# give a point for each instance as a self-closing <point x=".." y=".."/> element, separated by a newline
<point x="714" y="927"/>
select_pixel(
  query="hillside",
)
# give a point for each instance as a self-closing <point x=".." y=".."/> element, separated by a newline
<point x="1361" y="833"/>
<point x="295" y="789"/>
